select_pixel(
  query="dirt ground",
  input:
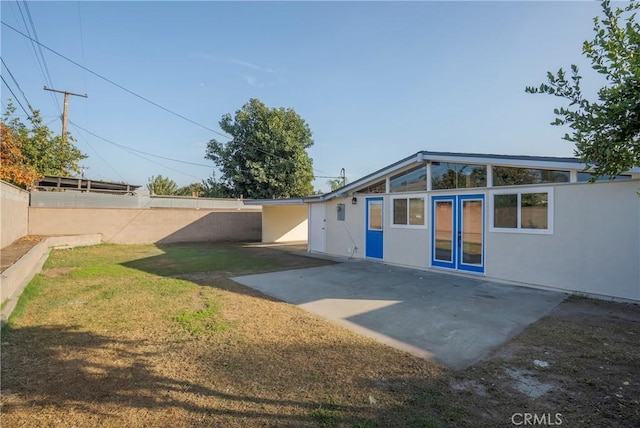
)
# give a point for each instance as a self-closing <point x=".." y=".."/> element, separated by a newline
<point x="98" y="345"/>
<point x="578" y="365"/>
<point x="12" y="253"/>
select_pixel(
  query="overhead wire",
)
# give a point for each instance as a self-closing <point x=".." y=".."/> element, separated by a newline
<point x="116" y="84"/>
<point x="136" y="94"/>
<point x="166" y="166"/>
<point x="17" y="84"/>
<point x="86" y="140"/>
<point x="39" y="58"/>
<point x="35" y="36"/>
<point x="84" y="73"/>
<point x="139" y="151"/>
<point x="14" y="96"/>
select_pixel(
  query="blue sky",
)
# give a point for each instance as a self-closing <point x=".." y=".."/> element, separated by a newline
<point x="375" y="81"/>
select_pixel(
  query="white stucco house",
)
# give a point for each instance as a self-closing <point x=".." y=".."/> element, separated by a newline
<point x="521" y="219"/>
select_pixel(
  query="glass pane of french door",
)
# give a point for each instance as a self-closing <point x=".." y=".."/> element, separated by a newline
<point x="472" y="229"/>
<point x="443" y="223"/>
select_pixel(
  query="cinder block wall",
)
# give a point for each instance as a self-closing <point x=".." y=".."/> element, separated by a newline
<point x="14" y="215"/>
<point x="146" y="226"/>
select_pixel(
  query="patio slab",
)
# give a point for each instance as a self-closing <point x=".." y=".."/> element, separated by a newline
<point x="454" y="320"/>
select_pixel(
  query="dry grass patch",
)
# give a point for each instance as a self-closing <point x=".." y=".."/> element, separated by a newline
<point x="150" y="336"/>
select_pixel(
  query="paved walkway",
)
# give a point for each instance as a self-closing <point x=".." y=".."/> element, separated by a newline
<point x="451" y="319"/>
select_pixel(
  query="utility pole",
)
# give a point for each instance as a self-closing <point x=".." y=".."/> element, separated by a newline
<point x="65" y="109"/>
<point x="83" y="169"/>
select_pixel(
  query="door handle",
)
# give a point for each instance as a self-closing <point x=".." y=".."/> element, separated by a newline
<point x="459" y="238"/>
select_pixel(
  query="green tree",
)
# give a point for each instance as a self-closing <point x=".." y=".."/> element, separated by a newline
<point x="47" y="153"/>
<point x="193" y="189"/>
<point x="266" y="157"/>
<point x="606" y="132"/>
<point x="336" y="183"/>
<point x="212" y="188"/>
<point x="162" y="185"/>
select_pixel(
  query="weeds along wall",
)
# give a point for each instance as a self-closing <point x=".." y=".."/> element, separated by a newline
<point x="14" y="216"/>
<point x="146" y="226"/>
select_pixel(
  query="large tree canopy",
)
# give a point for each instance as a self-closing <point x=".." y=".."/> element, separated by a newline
<point x="266" y="157"/>
<point x="606" y="132"/>
<point x="45" y="152"/>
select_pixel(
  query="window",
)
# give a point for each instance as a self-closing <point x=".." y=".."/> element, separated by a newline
<point x="379" y="187"/>
<point x="586" y="176"/>
<point x="534" y="211"/>
<point x="400" y="211"/>
<point x="409" y="181"/>
<point x="505" y="212"/>
<point x="409" y="212"/>
<point x="341" y="212"/>
<point x="509" y="176"/>
<point x="445" y="175"/>
<point x="528" y="211"/>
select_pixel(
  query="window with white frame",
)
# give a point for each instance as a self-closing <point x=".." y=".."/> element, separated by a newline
<point x="409" y="212"/>
<point x="527" y="211"/>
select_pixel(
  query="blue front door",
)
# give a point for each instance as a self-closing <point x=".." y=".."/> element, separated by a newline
<point x="374" y="228"/>
<point x="457" y="232"/>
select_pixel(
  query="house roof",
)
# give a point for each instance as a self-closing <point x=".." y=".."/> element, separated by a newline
<point x="548" y="162"/>
<point x="421" y="157"/>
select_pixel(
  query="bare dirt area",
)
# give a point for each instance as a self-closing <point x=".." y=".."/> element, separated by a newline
<point x="12" y="253"/>
<point x="143" y="336"/>
<point x="578" y="366"/>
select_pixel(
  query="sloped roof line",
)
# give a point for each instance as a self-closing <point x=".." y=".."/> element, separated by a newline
<point x="424" y="156"/>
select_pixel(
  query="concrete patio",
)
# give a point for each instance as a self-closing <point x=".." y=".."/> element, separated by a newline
<point x="455" y="320"/>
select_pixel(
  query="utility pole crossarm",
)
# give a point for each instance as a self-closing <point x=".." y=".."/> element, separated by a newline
<point x="66" y="92"/>
<point x="65" y="109"/>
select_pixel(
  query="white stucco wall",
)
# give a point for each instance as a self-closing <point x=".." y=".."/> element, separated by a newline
<point x="595" y="247"/>
<point x="344" y="236"/>
<point x="284" y="223"/>
<point x="407" y="247"/>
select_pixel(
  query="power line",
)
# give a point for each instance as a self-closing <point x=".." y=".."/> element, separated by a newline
<point x="99" y="156"/>
<point x="35" y="35"/>
<point x="166" y="166"/>
<point x="14" y="96"/>
<point x="39" y="58"/>
<point x="82" y="44"/>
<point x="115" y="84"/>
<point x="17" y="84"/>
<point x="136" y="94"/>
<point x="138" y="151"/>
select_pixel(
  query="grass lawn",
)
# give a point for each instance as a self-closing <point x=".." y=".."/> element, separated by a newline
<point x="160" y="336"/>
